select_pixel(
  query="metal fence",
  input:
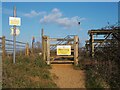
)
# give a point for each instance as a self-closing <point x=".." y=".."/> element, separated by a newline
<point x="6" y="47"/>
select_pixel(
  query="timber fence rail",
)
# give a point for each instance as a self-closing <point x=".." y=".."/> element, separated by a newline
<point x="49" y="50"/>
<point x="6" y="47"/>
<point x="107" y="58"/>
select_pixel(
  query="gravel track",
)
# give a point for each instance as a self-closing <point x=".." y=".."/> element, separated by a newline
<point x="66" y="77"/>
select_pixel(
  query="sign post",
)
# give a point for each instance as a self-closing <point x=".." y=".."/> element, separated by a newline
<point x="14" y="21"/>
<point x="14" y="37"/>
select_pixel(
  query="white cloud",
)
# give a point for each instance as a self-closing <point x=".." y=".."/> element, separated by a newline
<point x="52" y="17"/>
<point x="55" y="10"/>
<point x="56" y="16"/>
<point x="34" y="13"/>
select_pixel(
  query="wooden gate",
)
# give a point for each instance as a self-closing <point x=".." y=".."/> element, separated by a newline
<point x="49" y="49"/>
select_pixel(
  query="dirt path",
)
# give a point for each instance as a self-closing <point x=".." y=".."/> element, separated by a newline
<point x="66" y="77"/>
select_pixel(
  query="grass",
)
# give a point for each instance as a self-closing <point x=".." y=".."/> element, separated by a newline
<point x="27" y="72"/>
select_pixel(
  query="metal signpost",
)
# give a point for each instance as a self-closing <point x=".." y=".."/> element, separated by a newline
<point x="15" y="21"/>
<point x="14" y="37"/>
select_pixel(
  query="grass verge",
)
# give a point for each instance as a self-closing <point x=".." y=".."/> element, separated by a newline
<point x="27" y="72"/>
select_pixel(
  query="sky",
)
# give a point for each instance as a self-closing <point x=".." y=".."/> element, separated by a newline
<point x="0" y="19"/>
<point x="119" y="13"/>
<point x="58" y="19"/>
<point x="60" y="0"/>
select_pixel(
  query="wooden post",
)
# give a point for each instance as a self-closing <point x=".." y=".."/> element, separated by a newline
<point x="86" y="47"/>
<point x="27" y="49"/>
<point x="44" y="47"/>
<point x="48" y="50"/>
<point x="32" y="47"/>
<point x="3" y="47"/>
<point x="76" y="50"/>
<point x="42" y="35"/>
<point x="92" y="45"/>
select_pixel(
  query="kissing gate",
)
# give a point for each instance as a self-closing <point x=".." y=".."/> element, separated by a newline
<point x="60" y="50"/>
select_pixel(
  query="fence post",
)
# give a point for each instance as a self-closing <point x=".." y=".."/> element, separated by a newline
<point x="32" y="47"/>
<point x="42" y="34"/>
<point x="76" y="50"/>
<point x="48" y="51"/>
<point x="3" y="47"/>
<point x="27" y="49"/>
<point x="92" y="45"/>
<point x="44" y="47"/>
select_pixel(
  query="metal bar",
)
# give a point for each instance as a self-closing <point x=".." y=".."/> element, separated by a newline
<point x="13" y="47"/>
<point x="20" y="42"/>
<point x="13" y="41"/>
<point x="60" y="44"/>
<point x="9" y="47"/>
<point x="9" y="44"/>
<point x="20" y="45"/>
<point x="60" y="39"/>
<point x="8" y="40"/>
<point x="9" y="50"/>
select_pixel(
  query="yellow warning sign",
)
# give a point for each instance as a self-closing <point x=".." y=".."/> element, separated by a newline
<point x="14" y="21"/>
<point x="64" y="50"/>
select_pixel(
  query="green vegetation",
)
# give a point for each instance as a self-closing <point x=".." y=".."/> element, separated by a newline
<point x="27" y="72"/>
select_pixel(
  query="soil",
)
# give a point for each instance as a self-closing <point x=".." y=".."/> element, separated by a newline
<point x="65" y="76"/>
